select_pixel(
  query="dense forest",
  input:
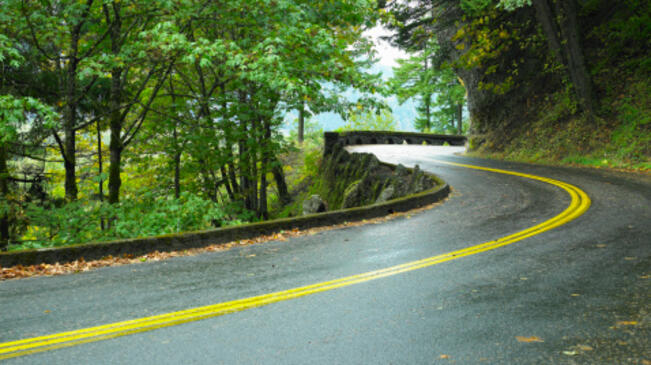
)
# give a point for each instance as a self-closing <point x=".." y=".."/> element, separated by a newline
<point x="545" y="80"/>
<point x="131" y="118"/>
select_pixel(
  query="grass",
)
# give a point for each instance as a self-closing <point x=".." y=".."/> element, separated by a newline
<point x="619" y="137"/>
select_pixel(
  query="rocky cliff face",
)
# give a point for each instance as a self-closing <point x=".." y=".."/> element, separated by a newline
<point x="356" y="179"/>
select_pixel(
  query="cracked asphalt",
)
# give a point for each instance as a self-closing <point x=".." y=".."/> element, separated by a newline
<point x="578" y="294"/>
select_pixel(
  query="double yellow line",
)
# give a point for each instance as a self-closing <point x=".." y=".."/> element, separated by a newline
<point x="578" y="205"/>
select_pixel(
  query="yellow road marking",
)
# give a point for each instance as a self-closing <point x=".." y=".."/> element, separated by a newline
<point x="580" y="202"/>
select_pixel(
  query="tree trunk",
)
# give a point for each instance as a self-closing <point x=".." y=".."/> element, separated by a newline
<point x="546" y="18"/>
<point x="69" y="161"/>
<point x="266" y="159"/>
<point x="115" y="150"/>
<point x="428" y="113"/>
<point x="99" y="161"/>
<point x="301" y="122"/>
<point x="253" y="165"/>
<point x="177" y="175"/>
<point x="229" y="189"/>
<point x="245" y="171"/>
<point x="279" y="177"/>
<point x="69" y="123"/>
<point x="115" y="100"/>
<point x="564" y="40"/>
<point x="576" y="62"/>
<point x="231" y="175"/>
<point x="70" y="117"/>
<point x="100" y="183"/>
<point x="460" y="119"/>
<point x="4" y="194"/>
<point x="177" y="165"/>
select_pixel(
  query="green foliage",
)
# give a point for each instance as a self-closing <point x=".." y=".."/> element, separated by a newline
<point x="632" y="139"/>
<point x="558" y="135"/>
<point x="433" y="83"/>
<point x="79" y="222"/>
<point x="185" y="96"/>
<point x="16" y="113"/>
<point x="312" y="133"/>
<point x="303" y="177"/>
<point x="369" y="121"/>
<point x="627" y="35"/>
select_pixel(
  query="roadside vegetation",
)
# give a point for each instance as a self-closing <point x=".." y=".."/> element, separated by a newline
<point x="562" y="82"/>
<point x="620" y="138"/>
<point x="135" y="118"/>
<point x="303" y="161"/>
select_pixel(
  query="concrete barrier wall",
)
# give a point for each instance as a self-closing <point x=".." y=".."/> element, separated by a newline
<point x="388" y="137"/>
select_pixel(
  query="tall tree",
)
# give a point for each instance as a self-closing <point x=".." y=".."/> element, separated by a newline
<point x="420" y="20"/>
<point x="429" y="79"/>
<point x="59" y="39"/>
<point x="19" y="117"/>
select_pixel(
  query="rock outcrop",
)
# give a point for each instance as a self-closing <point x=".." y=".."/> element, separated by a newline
<point x="352" y="180"/>
<point x="314" y="205"/>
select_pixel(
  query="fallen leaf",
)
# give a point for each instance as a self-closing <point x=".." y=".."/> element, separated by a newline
<point x="46" y="311"/>
<point x="20" y="271"/>
<point x="626" y="323"/>
<point x="529" y="339"/>
<point x="444" y="356"/>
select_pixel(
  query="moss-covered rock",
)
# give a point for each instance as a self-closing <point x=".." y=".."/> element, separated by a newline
<point x="357" y="179"/>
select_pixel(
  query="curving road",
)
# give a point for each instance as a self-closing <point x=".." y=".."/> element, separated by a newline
<point x="574" y="294"/>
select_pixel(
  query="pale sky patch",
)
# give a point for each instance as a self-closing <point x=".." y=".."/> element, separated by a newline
<point x="386" y="53"/>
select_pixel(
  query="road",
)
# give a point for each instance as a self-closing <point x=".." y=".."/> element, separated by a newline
<point x="574" y="294"/>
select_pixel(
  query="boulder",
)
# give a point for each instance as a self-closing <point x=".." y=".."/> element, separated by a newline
<point x="314" y="205"/>
<point x="386" y="194"/>
<point x="353" y="196"/>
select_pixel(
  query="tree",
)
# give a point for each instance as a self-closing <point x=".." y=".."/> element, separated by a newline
<point x="430" y="79"/>
<point x="21" y="118"/>
<point x="559" y="22"/>
<point x="58" y="43"/>
<point x="413" y="78"/>
<point x="370" y="121"/>
<point x="18" y="116"/>
<point x="420" y="20"/>
<point x="190" y="88"/>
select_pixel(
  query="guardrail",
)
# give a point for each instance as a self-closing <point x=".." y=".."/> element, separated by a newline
<point x="388" y="137"/>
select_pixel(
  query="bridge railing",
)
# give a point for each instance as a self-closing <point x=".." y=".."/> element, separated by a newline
<point x="349" y="138"/>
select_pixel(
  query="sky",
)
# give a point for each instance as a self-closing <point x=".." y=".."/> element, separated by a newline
<point x="387" y="56"/>
<point x="386" y="53"/>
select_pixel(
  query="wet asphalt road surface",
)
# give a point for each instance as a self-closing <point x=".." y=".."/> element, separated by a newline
<point x="578" y="294"/>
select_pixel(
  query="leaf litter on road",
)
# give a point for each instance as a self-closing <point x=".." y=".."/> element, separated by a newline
<point x="81" y="265"/>
<point x="529" y="339"/>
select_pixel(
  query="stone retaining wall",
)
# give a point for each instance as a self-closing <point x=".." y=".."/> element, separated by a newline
<point x="187" y="240"/>
<point x="388" y="137"/>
